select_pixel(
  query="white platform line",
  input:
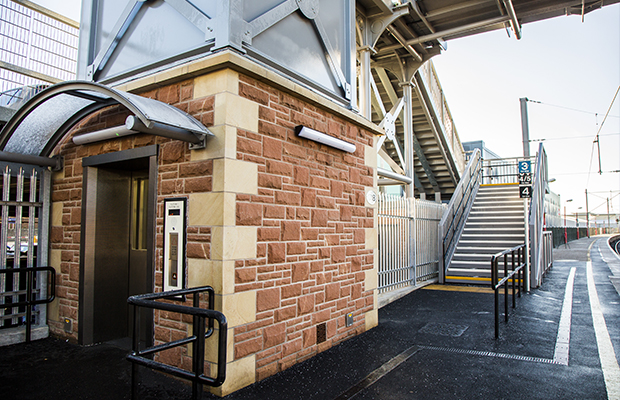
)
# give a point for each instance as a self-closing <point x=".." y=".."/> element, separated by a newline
<point x="609" y="363"/>
<point x="562" y="342"/>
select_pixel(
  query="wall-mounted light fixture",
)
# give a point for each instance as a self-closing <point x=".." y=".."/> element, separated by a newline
<point x="103" y="134"/>
<point x="133" y="125"/>
<point x="320" y="137"/>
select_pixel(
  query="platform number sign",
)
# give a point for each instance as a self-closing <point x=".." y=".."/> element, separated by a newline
<point x="525" y="192"/>
<point x="525" y="167"/>
<point x="525" y="179"/>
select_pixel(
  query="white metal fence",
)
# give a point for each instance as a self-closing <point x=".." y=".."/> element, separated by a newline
<point x="408" y="247"/>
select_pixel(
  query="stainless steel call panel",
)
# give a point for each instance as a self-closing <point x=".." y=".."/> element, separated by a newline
<point x="174" y="243"/>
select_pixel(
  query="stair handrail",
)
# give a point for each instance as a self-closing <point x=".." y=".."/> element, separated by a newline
<point x="453" y="219"/>
<point x="202" y="328"/>
<point x="533" y="278"/>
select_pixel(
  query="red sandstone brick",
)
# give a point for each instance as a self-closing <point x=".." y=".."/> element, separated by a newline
<point x="245" y="275"/>
<point x="248" y="347"/>
<point x="198" y="185"/>
<point x="305" y="304"/>
<point x="270" y="129"/>
<point x="269" y="181"/>
<point x="279" y="168"/>
<point x="274" y="335"/>
<point x="288" y="198"/>
<point x="308" y="197"/>
<point x="325" y="202"/>
<point x="332" y="291"/>
<point x="267" y="299"/>
<point x="319" y="182"/>
<point x="301" y="175"/>
<point x="293" y="248"/>
<point x="272" y="148"/>
<point x="249" y="214"/>
<point x="338" y="254"/>
<point x="309" y="337"/>
<point x="289" y="291"/>
<point x="346" y="213"/>
<point x="267" y="371"/>
<point x="270" y="211"/>
<point x="245" y="145"/>
<point x="266" y="114"/>
<point x="173" y="152"/>
<point x="291" y="347"/>
<point x="359" y="236"/>
<point x="253" y="93"/>
<point x="319" y="218"/>
<point x="285" y="313"/>
<point x="276" y="253"/>
<point x="301" y="271"/>
<point x="290" y="230"/>
<point x="268" y="234"/>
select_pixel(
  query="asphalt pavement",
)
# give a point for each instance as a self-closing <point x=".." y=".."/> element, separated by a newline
<point x="435" y="343"/>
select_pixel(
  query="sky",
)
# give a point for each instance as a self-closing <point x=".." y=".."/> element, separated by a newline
<point x="571" y="68"/>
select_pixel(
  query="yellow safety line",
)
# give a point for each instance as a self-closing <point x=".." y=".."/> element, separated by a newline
<point x="499" y="184"/>
<point x="469" y="278"/>
<point x="452" y="288"/>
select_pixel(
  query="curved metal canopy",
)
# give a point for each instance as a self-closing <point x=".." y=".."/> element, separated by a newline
<point x="38" y="126"/>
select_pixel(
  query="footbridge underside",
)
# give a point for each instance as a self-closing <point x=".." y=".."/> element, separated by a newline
<point x="399" y="89"/>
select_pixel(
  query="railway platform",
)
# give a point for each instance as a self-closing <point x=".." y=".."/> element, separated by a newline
<point x="437" y="342"/>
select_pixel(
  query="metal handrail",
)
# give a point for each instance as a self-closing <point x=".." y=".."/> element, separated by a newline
<point x="199" y="334"/>
<point x="536" y="220"/>
<point x="496" y="283"/>
<point x="453" y="221"/>
<point x="29" y="291"/>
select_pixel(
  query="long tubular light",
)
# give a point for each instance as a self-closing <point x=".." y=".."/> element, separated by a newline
<point x="320" y="137"/>
<point x="104" y="134"/>
<point x="133" y="126"/>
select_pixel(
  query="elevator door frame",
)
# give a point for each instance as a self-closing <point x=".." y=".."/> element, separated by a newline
<point x="144" y="158"/>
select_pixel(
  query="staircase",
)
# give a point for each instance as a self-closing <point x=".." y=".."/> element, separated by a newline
<point x="496" y="223"/>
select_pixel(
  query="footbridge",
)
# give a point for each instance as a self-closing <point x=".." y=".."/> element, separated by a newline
<point x="398" y="87"/>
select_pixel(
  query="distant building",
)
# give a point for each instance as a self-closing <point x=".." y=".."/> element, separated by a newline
<point x="37" y="48"/>
<point x="487" y="154"/>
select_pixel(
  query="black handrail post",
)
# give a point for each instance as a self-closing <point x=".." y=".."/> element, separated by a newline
<point x="199" y="354"/>
<point x="29" y="307"/>
<point x="521" y="272"/>
<point x="506" y="288"/>
<point x="496" y="294"/>
<point x="514" y="301"/>
<point x="135" y="344"/>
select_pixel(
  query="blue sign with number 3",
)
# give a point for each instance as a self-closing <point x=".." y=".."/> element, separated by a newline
<point x="525" y="167"/>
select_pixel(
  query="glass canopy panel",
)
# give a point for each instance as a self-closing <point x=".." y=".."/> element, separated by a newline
<point x="40" y="125"/>
<point x="158" y="111"/>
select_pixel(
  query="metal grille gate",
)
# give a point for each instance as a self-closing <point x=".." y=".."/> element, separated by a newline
<point x="24" y="232"/>
<point x="408" y="252"/>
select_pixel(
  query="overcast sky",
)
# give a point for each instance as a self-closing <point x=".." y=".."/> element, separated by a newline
<point x="563" y="63"/>
<point x="573" y="68"/>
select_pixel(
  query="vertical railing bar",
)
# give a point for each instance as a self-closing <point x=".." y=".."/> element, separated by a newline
<point x="4" y="234"/>
<point x="18" y="235"/>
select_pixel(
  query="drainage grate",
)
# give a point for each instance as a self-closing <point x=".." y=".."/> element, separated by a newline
<point x="491" y="354"/>
<point x="436" y="328"/>
<point x="321" y="333"/>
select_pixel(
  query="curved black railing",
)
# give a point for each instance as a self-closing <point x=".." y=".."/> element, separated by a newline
<point x="517" y="265"/>
<point x="30" y="302"/>
<point x="199" y="334"/>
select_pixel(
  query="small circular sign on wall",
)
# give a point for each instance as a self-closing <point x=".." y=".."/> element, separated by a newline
<point x="371" y="197"/>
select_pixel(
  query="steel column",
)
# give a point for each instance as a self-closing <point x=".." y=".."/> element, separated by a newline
<point x="408" y="133"/>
